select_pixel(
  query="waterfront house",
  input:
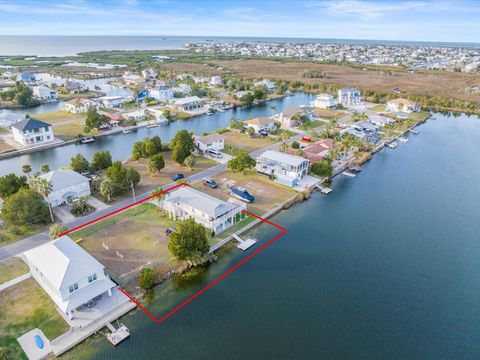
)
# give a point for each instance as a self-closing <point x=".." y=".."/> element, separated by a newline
<point x="162" y="93"/>
<point x="74" y="86"/>
<point x="316" y="152"/>
<point x="324" y="101"/>
<point x="402" y="105"/>
<point x="149" y="74"/>
<point x="366" y="126"/>
<point x="26" y="77"/>
<point x="132" y="79"/>
<point x="210" y="142"/>
<point x="67" y="186"/>
<point x="285" y="168"/>
<point x="184" y="89"/>
<point x="215" y="214"/>
<point x="80" y="105"/>
<point x="215" y="81"/>
<point x="68" y="274"/>
<point x="291" y="117"/>
<point x="111" y="101"/>
<point x="30" y="132"/>
<point x="188" y="103"/>
<point x="349" y="97"/>
<point x="136" y="115"/>
<point x="261" y="125"/>
<point x="381" y="120"/>
<point x="270" y="85"/>
<point x="44" y="93"/>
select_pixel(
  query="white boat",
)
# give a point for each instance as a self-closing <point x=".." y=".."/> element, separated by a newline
<point x="392" y="145"/>
<point x="126" y="130"/>
<point x="403" y="139"/>
<point x="87" y="140"/>
<point x="151" y="126"/>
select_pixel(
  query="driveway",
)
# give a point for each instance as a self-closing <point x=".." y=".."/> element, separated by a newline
<point x="63" y="213"/>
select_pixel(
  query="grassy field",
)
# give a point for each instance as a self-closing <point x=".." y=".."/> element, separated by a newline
<point x="329" y="114"/>
<point x="3" y="130"/>
<point x="66" y="125"/>
<point x="12" y="268"/>
<point x="267" y="193"/>
<point x="242" y="141"/>
<point x="378" y="108"/>
<point x="419" y="116"/>
<point x="60" y="116"/>
<point x="8" y="235"/>
<point x="312" y="124"/>
<point x="24" y="307"/>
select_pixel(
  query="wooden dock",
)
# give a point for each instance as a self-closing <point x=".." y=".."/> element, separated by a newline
<point x="116" y="336"/>
<point x="323" y="189"/>
<point x="349" y="174"/>
<point x="244" y="244"/>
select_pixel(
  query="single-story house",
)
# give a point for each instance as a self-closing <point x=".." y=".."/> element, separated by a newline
<point x="112" y="101"/>
<point x="80" y="105"/>
<point x="210" y="142"/>
<point x="289" y="117"/>
<point x="285" y="168"/>
<point x="381" y="120"/>
<point x="32" y="131"/>
<point x="317" y="151"/>
<point x="68" y="274"/>
<point x="270" y="85"/>
<point x="74" y="86"/>
<point x="215" y="214"/>
<point x="44" y="93"/>
<point x="402" y="105"/>
<point x="260" y="124"/>
<point x="137" y="115"/>
<point x="366" y="126"/>
<point x="215" y="81"/>
<point x="188" y="103"/>
<point x="67" y="185"/>
<point x="324" y="101"/>
<point x="131" y="78"/>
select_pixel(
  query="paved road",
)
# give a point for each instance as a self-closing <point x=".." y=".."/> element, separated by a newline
<point x="42" y="238"/>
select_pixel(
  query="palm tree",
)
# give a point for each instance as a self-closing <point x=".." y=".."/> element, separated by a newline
<point x="45" y="168"/>
<point x="27" y="169"/>
<point x="44" y="188"/>
<point x="107" y="189"/>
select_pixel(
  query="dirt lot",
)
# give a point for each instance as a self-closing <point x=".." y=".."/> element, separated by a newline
<point x="4" y="146"/>
<point x="12" y="268"/>
<point x="267" y="193"/>
<point x="245" y="142"/>
<point x="447" y="84"/>
<point x="24" y="307"/>
<point x="150" y="181"/>
<point x="129" y="241"/>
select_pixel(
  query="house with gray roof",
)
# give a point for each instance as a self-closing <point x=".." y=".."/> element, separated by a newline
<point x="67" y="186"/>
<point x="284" y="168"/>
<point x="32" y="132"/>
<point x="215" y="214"/>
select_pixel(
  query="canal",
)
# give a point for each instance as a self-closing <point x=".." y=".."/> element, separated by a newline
<point x="386" y="267"/>
<point x="120" y="146"/>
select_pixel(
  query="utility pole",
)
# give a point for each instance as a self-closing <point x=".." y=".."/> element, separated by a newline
<point x="133" y="190"/>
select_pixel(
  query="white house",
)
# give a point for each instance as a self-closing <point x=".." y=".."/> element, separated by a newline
<point x="184" y="89"/>
<point x="44" y="93"/>
<point x="349" y="96"/>
<point x="287" y="169"/>
<point x="80" y="105"/>
<point x="215" y="81"/>
<point x="260" y="124"/>
<point x="31" y="132"/>
<point x="402" y="105"/>
<point x="380" y="120"/>
<point x="215" y="214"/>
<point x="149" y="74"/>
<point x="111" y="101"/>
<point x="161" y="93"/>
<point x="74" y="86"/>
<point x="137" y="115"/>
<point x="67" y="185"/>
<point x="324" y="101"/>
<point x="132" y="79"/>
<point x="289" y="117"/>
<point x="270" y="85"/>
<point x="210" y="142"/>
<point x="68" y="274"/>
<point x="188" y="103"/>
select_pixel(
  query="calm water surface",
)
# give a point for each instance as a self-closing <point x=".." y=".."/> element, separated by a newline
<point x="386" y="267"/>
<point x="120" y="145"/>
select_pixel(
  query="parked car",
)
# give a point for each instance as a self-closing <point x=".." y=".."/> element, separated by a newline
<point x="210" y="183"/>
<point x="242" y="194"/>
<point x="178" y="177"/>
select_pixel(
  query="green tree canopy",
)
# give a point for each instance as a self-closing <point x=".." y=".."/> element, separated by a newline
<point x="241" y="162"/>
<point x="122" y="178"/>
<point x="45" y="168"/>
<point x="94" y="120"/>
<point x="189" y="241"/>
<point x="101" y="160"/>
<point x="56" y="229"/>
<point x="79" y="163"/>
<point x="10" y="184"/>
<point x="25" y="207"/>
<point x="182" y="146"/>
<point x="156" y="163"/>
<point x="146" y="278"/>
<point x="323" y="168"/>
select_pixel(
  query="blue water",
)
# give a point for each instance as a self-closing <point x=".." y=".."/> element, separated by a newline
<point x="72" y="45"/>
<point x="386" y="267"/>
<point x="120" y="146"/>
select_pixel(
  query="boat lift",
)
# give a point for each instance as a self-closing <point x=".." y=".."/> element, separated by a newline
<point x="244" y="244"/>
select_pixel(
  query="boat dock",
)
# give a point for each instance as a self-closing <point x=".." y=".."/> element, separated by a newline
<point x="323" y="189"/>
<point x="349" y="174"/>
<point x="415" y="132"/>
<point x="116" y="336"/>
<point x="244" y="244"/>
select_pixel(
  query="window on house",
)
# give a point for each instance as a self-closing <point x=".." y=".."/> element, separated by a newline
<point x="73" y="288"/>
<point x="92" y="278"/>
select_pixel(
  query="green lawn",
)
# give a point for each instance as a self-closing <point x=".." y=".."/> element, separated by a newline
<point x="59" y="116"/>
<point x="9" y="235"/>
<point x="312" y="124"/>
<point x="419" y="116"/>
<point x="12" y="268"/>
<point x="3" y="130"/>
<point x="24" y="307"/>
<point x="241" y="141"/>
<point x="378" y="108"/>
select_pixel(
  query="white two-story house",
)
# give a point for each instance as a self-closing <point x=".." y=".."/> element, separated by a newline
<point x="261" y="125"/>
<point x="68" y="274"/>
<point x="215" y="214"/>
<point x="349" y="97"/>
<point x="44" y="93"/>
<point x="162" y="93"/>
<point x="324" y="101"/>
<point x="67" y="186"/>
<point x="286" y="169"/>
<point x="31" y="132"/>
<point x="210" y="142"/>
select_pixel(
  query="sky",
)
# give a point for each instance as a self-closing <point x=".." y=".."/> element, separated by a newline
<point x="449" y="21"/>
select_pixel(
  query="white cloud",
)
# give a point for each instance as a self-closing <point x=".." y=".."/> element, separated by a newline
<point x="369" y="9"/>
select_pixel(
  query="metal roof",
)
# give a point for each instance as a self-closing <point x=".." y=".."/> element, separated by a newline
<point x="30" y="124"/>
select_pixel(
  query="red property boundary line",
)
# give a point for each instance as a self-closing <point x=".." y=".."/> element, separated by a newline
<point x="206" y="287"/>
